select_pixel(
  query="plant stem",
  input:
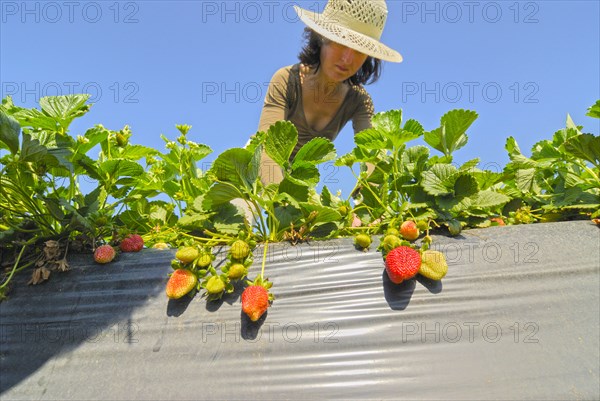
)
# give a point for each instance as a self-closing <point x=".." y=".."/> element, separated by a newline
<point x="262" y="271"/>
<point x="14" y="267"/>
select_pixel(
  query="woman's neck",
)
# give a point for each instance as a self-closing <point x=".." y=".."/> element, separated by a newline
<point x="318" y="82"/>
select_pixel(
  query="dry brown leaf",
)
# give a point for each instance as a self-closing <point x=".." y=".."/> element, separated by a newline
<point x="52" y="249"/>
<point x="39" y="275"/>
<point x="62" y="265"/>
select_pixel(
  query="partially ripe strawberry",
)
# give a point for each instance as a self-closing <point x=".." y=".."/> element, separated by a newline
<point x="498" y="220"/>
<point x="402" y="263"/>
<point x="409" y="230"/>
<point x="181" y="282"/>
<point x="187" y="254"/>
<point x="239" y="250"/>
<point x="133" y="243"/>
<point x="434" y="265"/>
<point x="104" y="254"/>
<point x="255" y="301"/>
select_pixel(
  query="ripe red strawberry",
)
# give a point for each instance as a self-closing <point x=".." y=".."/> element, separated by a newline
<point x="402" y="263"/>
<point x="180" y="283"/>
<point x="104" y="254"/>
<point x="255" y="301"/>
<point x="409" y="230"/>
<point x="133" y="243"/>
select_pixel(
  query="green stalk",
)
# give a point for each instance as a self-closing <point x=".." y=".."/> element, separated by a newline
<point x="14" y="267"/>
<point x="262" y="271"/>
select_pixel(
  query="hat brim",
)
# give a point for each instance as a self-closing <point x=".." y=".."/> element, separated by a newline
<point x="331" y="30"/>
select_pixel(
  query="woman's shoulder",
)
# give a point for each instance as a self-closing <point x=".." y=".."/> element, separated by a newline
<point x="284" y="73"/>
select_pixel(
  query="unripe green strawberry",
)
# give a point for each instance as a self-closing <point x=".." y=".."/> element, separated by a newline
<point x="454" y="227"/>
<point x="204" y="259"/>
<point x="427" y="239"/>
<point x="255" y="301"/>
<point x="161" y="246"/>
<point x="402" y="263"/>
<point x="363" y="241"/>
<point x="344" y="210"/>
<point x="187" y="254"/>
<point x="390" y="242"/>
<point x="181" y="282"/>
<point x="239" y="250"/>
<point x="104" y="254"/>
<point x="237" y="271"/>
<point x="215" y="285"/>
<point x="422" y="225"/>
<point x="434" y="265"/>
<point x="409" y="230"/>
<point x="392" y="231"/>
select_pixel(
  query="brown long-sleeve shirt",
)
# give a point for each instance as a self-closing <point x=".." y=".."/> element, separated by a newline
<point x="283" y="101"/>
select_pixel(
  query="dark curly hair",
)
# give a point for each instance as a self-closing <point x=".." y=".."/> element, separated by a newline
<point x="311" y="55"/>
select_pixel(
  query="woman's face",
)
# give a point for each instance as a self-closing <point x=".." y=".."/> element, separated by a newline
<point x="339" y="62"/>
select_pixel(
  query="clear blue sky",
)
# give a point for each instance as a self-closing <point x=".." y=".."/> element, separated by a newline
<point x="522" y="65"/>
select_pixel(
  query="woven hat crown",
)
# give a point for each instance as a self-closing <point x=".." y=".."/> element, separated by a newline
<point x="357" y="24"/>
<point x="365" y="16"/>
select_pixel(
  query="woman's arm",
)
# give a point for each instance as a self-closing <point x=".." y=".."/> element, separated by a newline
<point x="275" y="109"/>
<point x="362" y="118"/>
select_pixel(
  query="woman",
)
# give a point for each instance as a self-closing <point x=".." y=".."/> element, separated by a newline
<point x="324" y="91"/>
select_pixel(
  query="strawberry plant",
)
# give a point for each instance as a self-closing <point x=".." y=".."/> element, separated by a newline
<point x="561" y="178"/>
<point x="276" y="208"/>
<point x="408" y="182"/>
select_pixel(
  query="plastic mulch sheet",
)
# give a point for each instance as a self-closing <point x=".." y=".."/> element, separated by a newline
<point x="516" y="317"/>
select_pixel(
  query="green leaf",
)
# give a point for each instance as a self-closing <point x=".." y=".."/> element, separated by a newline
<point x="585" y="146"/>
<point x="121" y="168"/>
<point x="91" y="138"/>
<point x="316" y="151"/>
<point x="451" y="135"/>
<point x="486" y="199"/>
<point x="388" y="121"/>
<point x="486" y="179"/>
<point x="469" y="166"/>
<point x="306" y="174"/>
<point x="439" y="179"/>
<point x="325" y="214"/>
<point x="388" y="124"/>
<point x="9" y="133"/>
<point x="64" y="109"/>
<point x="465" y="185"/>
<point x="325" y="196"/>
<point x="286" y="215"/>
<point x="594" y="111"/>
<point x="372" y="139"/>
<point x="36" y="119"/>
<point x="297" y="191"/>
<point x="280" y="141"/>
<point x="228" y="219"/>
<point x="31" y="150"/>
<point x="218" y="194"/>
<point x="136" y="152"/>
<point x="525" y="180"/>
<point x="62" y="156"/>
<point x="414" y="127"/>
<point x="233" y="166"/>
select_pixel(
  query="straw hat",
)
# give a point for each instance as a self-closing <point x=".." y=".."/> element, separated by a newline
<point x="357" y="24"/>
